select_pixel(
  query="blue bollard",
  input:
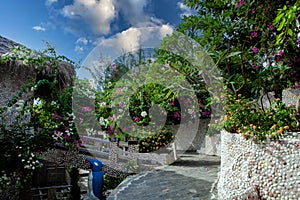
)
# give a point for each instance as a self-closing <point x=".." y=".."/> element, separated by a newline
<point x="96" y="179"/>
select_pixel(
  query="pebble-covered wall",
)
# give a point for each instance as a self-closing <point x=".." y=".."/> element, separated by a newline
<point x="270" y="170"/>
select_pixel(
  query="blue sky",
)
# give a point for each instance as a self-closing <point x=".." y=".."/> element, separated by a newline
<point x="75" y="27"/>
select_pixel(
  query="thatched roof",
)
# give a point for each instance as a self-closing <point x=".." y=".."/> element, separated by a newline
<point x="13" y="74"/>
<point x="6" y="45"/>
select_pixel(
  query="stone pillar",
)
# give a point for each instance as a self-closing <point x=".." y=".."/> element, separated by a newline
<point x="113" y="152"/>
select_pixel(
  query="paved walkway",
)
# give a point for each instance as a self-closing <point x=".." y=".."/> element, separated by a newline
<point x="189" y="178"/>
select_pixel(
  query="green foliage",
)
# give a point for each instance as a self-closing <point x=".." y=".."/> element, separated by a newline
<point x="31" y="125"/>
<point x="241" y="38"/>
<point x="139" y="105"/>
<point x="253" y="122"/>
<point x="286" y="21"/>
<point x="255" y="45"/>
<point x="155" y="142"/>
<point x="111" y="183"/>
<point x="191" y="74"/>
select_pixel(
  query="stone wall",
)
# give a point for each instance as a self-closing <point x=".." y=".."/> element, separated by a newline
<point x="211" y="145"/>
<point x="270" y="170"/>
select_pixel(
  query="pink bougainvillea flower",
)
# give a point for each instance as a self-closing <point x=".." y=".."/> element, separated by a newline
<point x="121" y="105"/>
<point x="137" y="119"/>
<point x="79" y="142"/>
<point x="177" y="115"/>
<point x="57" y="116"/>
<point x="253" y="10"/>
<point x="255" y="50"/>
<point x="240" y="3"/>
<point x="280" y="52"/>
<point x="66" y="136"/>
<point x="253" y="34"/>
<point x="271" y="26"/>
<point x="109" y="130"/>
<point x="172" y="103"/>
<point x="112" y="118"/>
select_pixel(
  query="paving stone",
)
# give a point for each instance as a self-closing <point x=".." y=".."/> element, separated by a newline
<point x="189" y="178"/>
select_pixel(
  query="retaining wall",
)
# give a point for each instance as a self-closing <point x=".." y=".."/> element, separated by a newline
<point x="270" y="170"/>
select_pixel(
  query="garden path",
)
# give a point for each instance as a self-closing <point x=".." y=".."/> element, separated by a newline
<point x="191" y="177"/>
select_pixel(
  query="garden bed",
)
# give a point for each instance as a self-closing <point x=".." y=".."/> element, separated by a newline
<point x="270" y="170"/>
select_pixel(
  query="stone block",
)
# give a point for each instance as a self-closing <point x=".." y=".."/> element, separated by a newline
<point x="289" y="96"/>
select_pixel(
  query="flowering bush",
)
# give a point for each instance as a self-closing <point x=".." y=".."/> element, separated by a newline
<point x="255" y="44"/>
<point x="30" y="125"/>
<point x="140" y="103"/>
<point x="250" y="120"/>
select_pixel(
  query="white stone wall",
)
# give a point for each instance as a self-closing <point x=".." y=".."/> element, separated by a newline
<point x="270" y="170"/>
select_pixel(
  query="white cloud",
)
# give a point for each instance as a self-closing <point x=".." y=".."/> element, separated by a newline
<point x="80" y="44"/>
<point x="50" y="2"/>
<point x="165" y="30"/>
<point x="98" y="13"/>
<point x="79" y="49"/>
<point x="133" y="10"/>
<point x="82" y="40"/>
<point x="134" y="38"/>
<point x="186" y="11"/>
<point x="126" y="41"/>
<point x="38" y="28"/>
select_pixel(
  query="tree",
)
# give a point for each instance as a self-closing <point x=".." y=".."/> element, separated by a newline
<point x="254" y="43"/>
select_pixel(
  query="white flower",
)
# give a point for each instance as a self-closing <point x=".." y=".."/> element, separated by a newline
<point x="103" y="121"/>
<point x="144" y="114"/>
<point x="102" y="104"/>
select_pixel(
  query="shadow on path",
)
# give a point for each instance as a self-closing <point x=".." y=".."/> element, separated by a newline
<point x="189" y="178"/>
<point x="195" y="163"/>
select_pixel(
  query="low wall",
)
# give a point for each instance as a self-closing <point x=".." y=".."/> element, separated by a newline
<point x="211" y="145"/>
<point x="270" y="170"/>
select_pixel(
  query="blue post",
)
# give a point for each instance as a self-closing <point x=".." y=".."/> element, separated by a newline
<point x="95" y="183"/>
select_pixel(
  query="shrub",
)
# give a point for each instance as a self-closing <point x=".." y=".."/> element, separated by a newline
<point x="247" y="118"/>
